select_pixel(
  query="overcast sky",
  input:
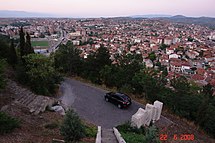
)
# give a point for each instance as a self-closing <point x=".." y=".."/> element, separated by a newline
<point x="98" y="8"/>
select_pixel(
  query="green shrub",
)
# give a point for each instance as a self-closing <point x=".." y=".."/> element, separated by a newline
<point x="91" y="131"/>
<point x="7" y="123"/>
<point x="72" y="128"/>
<point x="2" y="78"/>
<point x="127" y="88"/>
<point x="21" y="75"/>
<point x="152" y="135"/>
<point x="141" y="135"/>
<point x="41" y="75"/>
<point x="126" y="127"/>
<point x="133" y="138"/>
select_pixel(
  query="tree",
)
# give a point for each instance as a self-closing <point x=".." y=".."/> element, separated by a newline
<point x="12" y="54"/>
<point x="2" y="77"/>
<point x="163" y="47"/>
<point x="208" y="120"/>
<point x="127" y="66"/>
<point x="28" y="49"/>
<point x="67" y="59"/>
<point x="22" y="41"/>
<point x="25" y="44"/>
<point x="190" y="39"/>
<point x="109" y="76"/>
<point x="148" y="82"/>
<point x="95" y="62"/>
<point x="72" y="128"/>
<point x="4" y="47"/>
<point x="181" y="85"/>
<point x="89" y="70"/>
<point x="152" y="56"/>
<point x="102" y="57"/>
<point x="42" y="76"/>
<point x="205" y="112"/>
<point x="208" y="91"/>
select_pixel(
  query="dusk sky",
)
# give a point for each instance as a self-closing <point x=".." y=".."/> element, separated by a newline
<point x="99" y="8"/>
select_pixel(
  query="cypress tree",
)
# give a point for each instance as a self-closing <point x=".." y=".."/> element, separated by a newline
<point x="22" y="42"/>
<point x="28" y="48"/>
<point x="12" y="57"/>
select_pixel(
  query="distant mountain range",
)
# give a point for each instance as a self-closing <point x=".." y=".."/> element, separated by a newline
<point x="204" y="21"/>
<point x="22" y="14"/>
<point x="150" y="16"/>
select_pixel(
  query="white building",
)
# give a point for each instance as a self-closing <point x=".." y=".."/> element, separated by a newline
<point x="175" y="56"/>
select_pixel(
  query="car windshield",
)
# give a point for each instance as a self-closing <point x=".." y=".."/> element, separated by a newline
<point x="123" y="96"/>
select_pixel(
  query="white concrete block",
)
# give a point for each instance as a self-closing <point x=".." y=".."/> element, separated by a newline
<point x="138" y="118"/>
<point x="99" y="135"/>
<point x="151" y="111"/>
<point x="118" y="136"/>
<point x="159" y="106"/>
<point x="146" y="119"/>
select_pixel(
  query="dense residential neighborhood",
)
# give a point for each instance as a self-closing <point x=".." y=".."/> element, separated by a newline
<point x="183" y="49"/>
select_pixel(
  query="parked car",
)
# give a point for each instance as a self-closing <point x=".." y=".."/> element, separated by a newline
<point x="120" y="99"/>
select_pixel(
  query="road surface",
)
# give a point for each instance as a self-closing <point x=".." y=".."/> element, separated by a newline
<point x="89" y="103"/>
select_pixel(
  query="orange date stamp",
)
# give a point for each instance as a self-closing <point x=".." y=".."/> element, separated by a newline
<point x="179" y="137"/>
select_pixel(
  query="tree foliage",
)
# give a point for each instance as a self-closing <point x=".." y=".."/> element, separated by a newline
<point x="152" y="135"/>
<point x="4" y="49"/>
<point x="22" y="42"/>
<point x="28" y="49"/>
<point x="25" y="43"/>
<point x="72" y="128"/>
<point x="67" y="59"/>
<point x="148" y="81"/>
<point x="152" y="56"/>
<point x="163" y="47"/>
<point x="12" y="57"/>
<point x="2" y="77"/>
<point x="94" y="63"/>
<point x="41" y="74"/>
<point x="7" y="50"/>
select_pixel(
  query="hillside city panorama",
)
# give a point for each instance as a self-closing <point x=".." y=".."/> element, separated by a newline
<point x="107" y="72"/>
<point x="188" y="49"/>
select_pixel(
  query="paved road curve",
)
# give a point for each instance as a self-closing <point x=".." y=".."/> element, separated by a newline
<point x="89" y="103"/>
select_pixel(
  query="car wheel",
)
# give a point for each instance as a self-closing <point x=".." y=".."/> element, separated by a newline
<point x="119" y="106"/>
<point x="106" y="99"/>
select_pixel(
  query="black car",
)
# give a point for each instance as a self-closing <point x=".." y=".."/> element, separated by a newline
<point x="120" y="99"/>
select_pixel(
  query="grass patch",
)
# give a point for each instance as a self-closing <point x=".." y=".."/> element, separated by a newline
<point x="52" y="125"/>
<point x="40" y="43"/>
<point x="91" y="131"/>
<point x="133" y="137"/>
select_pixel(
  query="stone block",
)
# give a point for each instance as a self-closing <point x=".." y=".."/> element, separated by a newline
<point x="159" y="106"/>
<point x="138" y="119"/>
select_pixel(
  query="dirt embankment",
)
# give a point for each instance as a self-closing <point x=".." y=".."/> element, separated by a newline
<point x="40" y="128"/>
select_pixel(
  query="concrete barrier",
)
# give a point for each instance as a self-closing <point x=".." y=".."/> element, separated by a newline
<point x="118" y="136"/>
<point x="99" y="135"/>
